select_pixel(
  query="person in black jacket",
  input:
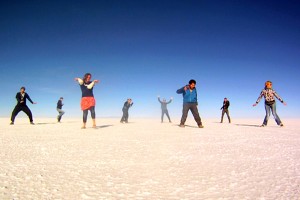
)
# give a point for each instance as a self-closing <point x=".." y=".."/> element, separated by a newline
<point x="125" y="109"/>
<point x="21" y="106"/>
<point x="224" y="109"/>
<point x="59" y="109"/>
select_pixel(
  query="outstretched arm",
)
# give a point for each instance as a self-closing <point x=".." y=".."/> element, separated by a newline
<point x="259" y="98"/>
<point x="28" y="97"/>
<point x="79" y="80"/>
<point x="158" y="98"/>
<point x="170" y="100"/>
<point x="91" y="85"/>
<point x="279" y="98"/>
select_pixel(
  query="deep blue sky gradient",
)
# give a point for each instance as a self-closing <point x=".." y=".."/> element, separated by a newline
<point x="141" y="49"/>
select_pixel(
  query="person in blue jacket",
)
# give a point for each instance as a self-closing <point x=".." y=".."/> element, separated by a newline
<point x="190" y="102"/>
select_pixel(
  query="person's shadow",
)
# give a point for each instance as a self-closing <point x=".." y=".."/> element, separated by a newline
<point x="189" y="126"/>
<point x="104" y="126"/>
<point x="43" y="123"/>
<point x="250" y="125"/>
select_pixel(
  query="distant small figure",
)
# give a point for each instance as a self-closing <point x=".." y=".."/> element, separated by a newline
<point x="59" y="109"/>
<point x="190" y="102"/>
<point x="224" y="109"/>
<point x="125" y="109"/>
<point x="21" y="106"/>
<point x="88" y="101"/>
<point x="270" y="104"/>
<point x="164" y="109"/>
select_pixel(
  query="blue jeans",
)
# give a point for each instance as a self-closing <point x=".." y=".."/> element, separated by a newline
<point x="268" y="109"/>
<point x="85" y="113"/>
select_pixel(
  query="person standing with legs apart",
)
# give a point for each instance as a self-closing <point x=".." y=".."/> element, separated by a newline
<point x="59" y="109"/>
<point x="125" y="109"/>
<point x="88" y="101"/>
<point x="164" y="109"/>
<point x="224" y="109"/>
<point x="270" y="104"/>
<point x="190" y="102"/>
<point x="21" y="106"/>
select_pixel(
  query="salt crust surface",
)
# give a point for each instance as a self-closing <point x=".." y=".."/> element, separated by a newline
<point x="146" y="159"/>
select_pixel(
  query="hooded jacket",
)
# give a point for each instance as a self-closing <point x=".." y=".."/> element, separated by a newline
<point x="188" y="95"/>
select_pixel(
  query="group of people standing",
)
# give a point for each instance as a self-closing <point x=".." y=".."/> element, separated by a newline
<point x="190" y="103"/>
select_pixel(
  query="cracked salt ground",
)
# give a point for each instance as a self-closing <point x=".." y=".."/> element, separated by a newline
<point x="163" y="161"/>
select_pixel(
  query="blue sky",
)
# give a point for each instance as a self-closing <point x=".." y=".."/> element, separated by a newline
<point x="141" y="49"/>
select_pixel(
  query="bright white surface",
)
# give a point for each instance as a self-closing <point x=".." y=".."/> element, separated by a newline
<point x="145" y="159"/>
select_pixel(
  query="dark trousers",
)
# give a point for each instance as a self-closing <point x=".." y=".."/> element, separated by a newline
<point x="23" y="108"/>
<point x="163" y="111"/>
<point x="125" y="115"/>
<point x="194" y="110"/>
<point x="227" y="113"/>
<point x="85" y="113"/>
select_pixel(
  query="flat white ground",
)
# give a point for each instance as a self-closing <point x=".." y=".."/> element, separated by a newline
<point x="146" y="159"/>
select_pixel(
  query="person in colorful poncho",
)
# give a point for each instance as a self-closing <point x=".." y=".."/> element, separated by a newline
<point x="270" y="104"/>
